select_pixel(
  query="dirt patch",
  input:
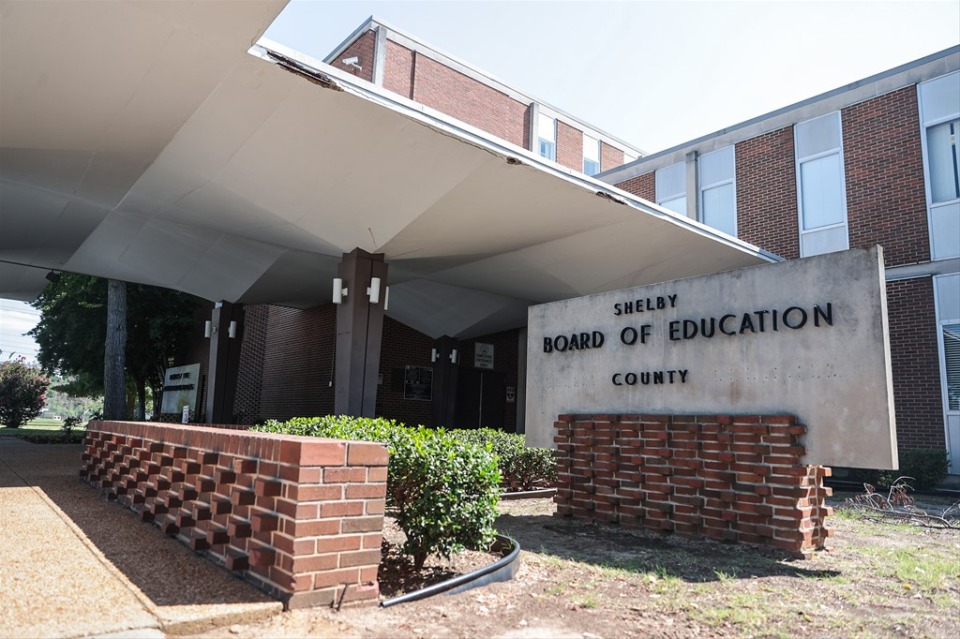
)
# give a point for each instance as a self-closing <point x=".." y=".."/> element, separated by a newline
<point x="878" y="578"/>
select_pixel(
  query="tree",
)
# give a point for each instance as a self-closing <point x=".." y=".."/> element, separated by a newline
<point x="115" y="352"/>
<point x="22" y="392"/>
<point x="72" y="334"/>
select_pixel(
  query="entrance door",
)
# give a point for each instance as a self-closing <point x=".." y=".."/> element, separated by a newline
<point x="950" y="376"/>
<point x="481" y="399"/>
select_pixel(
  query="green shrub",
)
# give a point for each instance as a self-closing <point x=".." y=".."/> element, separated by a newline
<point x="22" y="392"/>
<point x="925" y="468"/>
<point x="445" y="489"/>
<point x="521" y="467"/>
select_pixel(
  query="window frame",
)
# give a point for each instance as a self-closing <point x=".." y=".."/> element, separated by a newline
<point x="925" y="126"/>
<point x="799" y="161"/>
<point x="702" y="187"/>
<point x="681" y="195"/>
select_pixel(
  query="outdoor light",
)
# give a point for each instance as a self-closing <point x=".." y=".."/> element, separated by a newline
<point x="232" y="330"/>
<point x="207" y="328"/>
<point x="453" y="356"/>
<point x="433" y="355"/>
<point x="339" y="291"/>
<point x="373" y="291"/>
<point x="386" y="298"/>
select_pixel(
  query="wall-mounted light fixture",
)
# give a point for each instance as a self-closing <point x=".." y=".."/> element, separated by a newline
<point x="386" y="298"/>
<point x="207" y="329"/>
<point x="232" y="330"/>
<point x="339" y="290"/>
<point x="454" y="357"/>
<point x="434" y="356"/>
<point x="373" y="291"/>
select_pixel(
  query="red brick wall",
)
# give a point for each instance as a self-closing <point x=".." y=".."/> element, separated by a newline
<point x="886" y="203"/>
<point x="767" y="193"/>
<point x="915" y="363"/>
<point x="297" y="363"/>
<point x="299" y="517"/>
<point x="610" y="157"/>
<point x="728" y="478"/>
<point x="644" y="186"/>
<point x="470" y="101"/>
<point x="569" y="146"/>
<point x="398" y="69"/>
<point x="363" y="47"/>
<point x="402" y="346"/>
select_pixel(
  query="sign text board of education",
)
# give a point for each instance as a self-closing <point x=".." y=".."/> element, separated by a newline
<point x="803" y="337"/>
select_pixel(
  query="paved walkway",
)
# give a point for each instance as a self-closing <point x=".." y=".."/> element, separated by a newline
<point x="74" y="565"/>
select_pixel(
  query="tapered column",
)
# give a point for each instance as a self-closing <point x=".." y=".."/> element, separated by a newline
<point x="226" y="337"/>
<point x="359" y="333"/>
<point x="445" y="367"/>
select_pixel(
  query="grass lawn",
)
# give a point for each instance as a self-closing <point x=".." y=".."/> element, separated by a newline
<point x="40" y="430"/>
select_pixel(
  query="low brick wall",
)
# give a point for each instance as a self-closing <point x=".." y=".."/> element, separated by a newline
<point x="300" y="517"/>
<point x="730" y="478"/>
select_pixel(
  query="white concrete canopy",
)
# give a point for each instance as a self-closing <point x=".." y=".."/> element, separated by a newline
<point x="142" y="141"/>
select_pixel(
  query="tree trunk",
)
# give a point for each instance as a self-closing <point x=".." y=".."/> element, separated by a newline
<point x="141" y="399"/>
<point x="114" y="358"/>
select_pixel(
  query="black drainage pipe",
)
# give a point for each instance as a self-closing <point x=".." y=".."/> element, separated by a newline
<point x="501" y="570"/>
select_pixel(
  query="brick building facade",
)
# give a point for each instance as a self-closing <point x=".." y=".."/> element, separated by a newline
<point x="398" y="62"/>
<point x="874" y="162"/>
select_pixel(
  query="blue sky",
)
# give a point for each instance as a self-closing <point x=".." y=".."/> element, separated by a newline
<point x="655" y="74"/>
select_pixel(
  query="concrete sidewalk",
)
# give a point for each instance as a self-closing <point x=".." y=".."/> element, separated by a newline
<point x="74" y="565"/>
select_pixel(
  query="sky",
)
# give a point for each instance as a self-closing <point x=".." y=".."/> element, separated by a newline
<point x="654" y="74"/>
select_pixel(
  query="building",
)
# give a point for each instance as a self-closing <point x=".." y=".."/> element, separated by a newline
<point x="389" y="58"/>
<point x="873" y="162"/>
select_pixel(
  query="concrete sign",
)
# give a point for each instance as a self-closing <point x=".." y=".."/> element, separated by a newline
<point x="804" y="337"/>
<point x="180" y="384"/>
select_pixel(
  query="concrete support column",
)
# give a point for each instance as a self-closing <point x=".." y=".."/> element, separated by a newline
<point x="445" y="369"/>
<point x="359" y="334"/>
<point x="226" y="337"/>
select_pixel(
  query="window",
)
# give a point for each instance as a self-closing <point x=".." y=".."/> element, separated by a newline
<point x="718" y="201"/>
<point x="591" y="155"/>
<point x="671" y="188"/>
<point x="547" y="136"/>
<point x="947" y="290"/>
<point x="940" y="126"/>
<point x="820" y="186"/>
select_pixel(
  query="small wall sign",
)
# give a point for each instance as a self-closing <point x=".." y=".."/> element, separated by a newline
<point x="483" y="356"/>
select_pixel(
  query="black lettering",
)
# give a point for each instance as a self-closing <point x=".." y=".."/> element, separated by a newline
<point x="689" y="329"/>
<point x="616" y="309"/>
<point x="746" y="323"/>
<point x="645" y="332"/>
<point x="760" y="315"/>
<point x="584" y="340"/>
<point x="704" y="330"/>
<point x="557" y="343"/>
<point x="723" y="321"/>
<point x="574" y="342"/>
<point x="786" y="317"/>
<point x="630" y="379"/>
<point x="776" y="327"/>
<point x="597" y="339"/>
<point x="650" y="306"/>
<point x="629" y="336"/>
<point x="683" y="376"/>
<point x="657" y="377"/>
<point x="628" y="308"/>
<point x="827" y="315"/>
<point x="616" y="380"/>
<point x="674" y="329"/>
<point x="670" y="375"/>
<point x="673" y="300"/>
<point x="661" y="303"/>
<point x="547" y="345"/>
<point x="644" y="378"/>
